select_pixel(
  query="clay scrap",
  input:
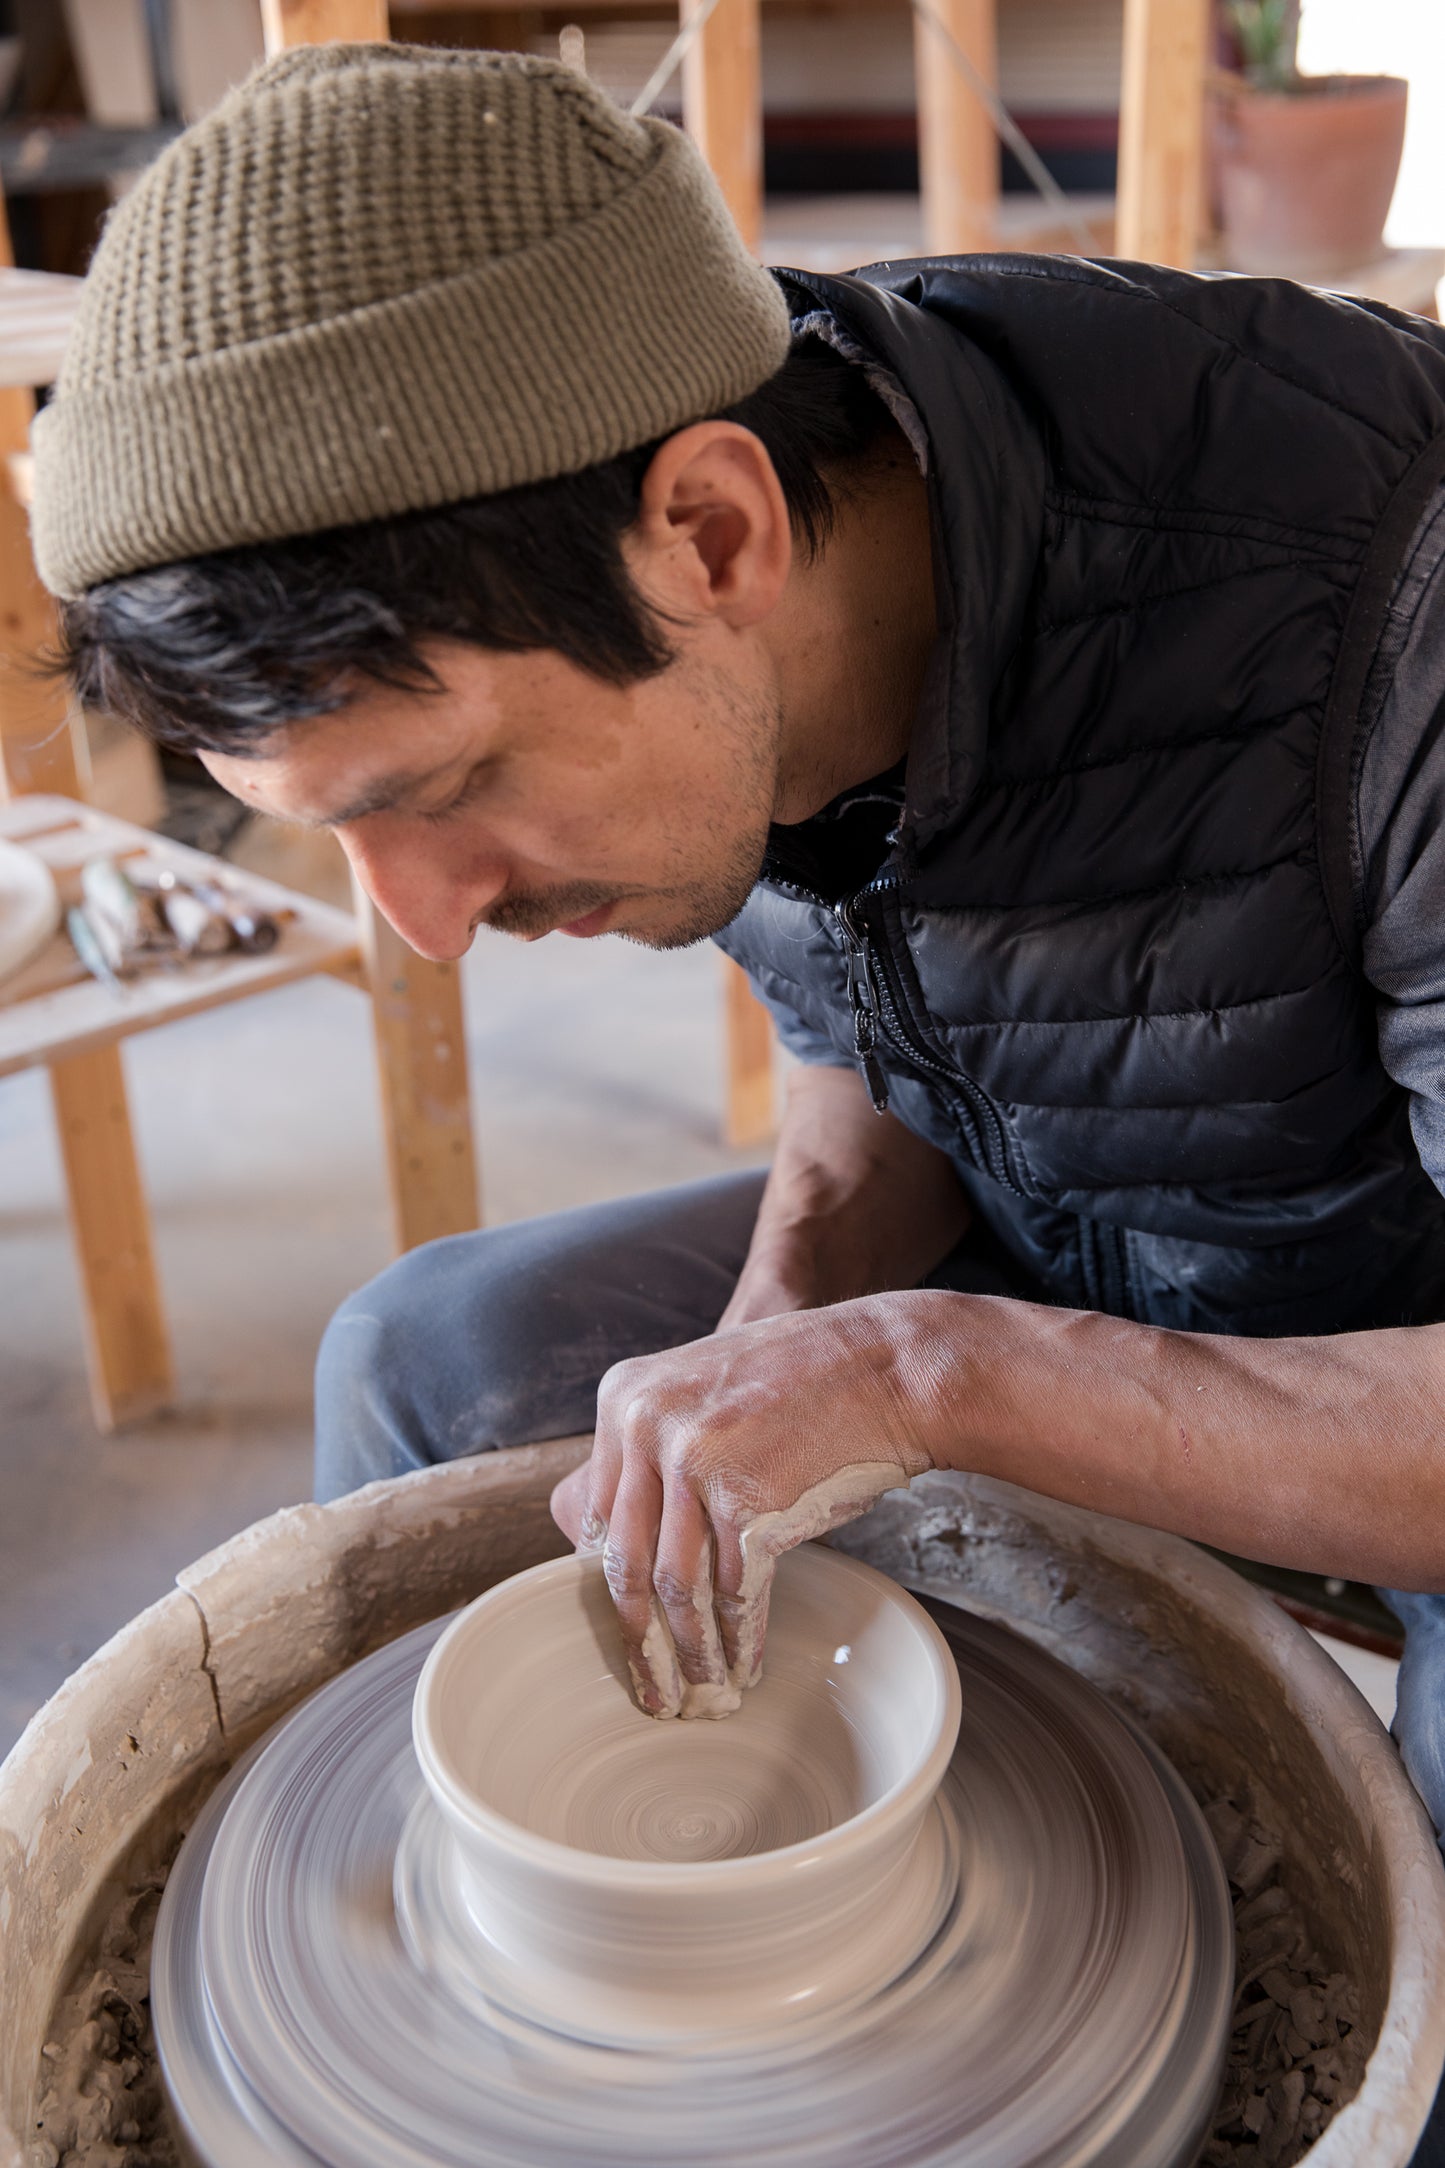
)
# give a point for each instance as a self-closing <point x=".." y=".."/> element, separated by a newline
<point x="101" y="2099"/>
<point x="1296" y="2050"/>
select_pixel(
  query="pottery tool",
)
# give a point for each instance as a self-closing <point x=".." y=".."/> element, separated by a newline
<point x="323" y="1994"/>
<point x="207" y="917"/>
<point x="252" y="929"/>
<point x="133" y="918"/>
<point x="123" y="917"/>
<point x="198" y="929"/>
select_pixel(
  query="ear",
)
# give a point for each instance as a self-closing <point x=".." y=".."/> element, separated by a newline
<point x="712" y="538"/>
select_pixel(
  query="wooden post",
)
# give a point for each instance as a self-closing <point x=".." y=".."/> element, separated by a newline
<point x="421" y="1053"/>
<point x="125" y="1334"/>
<point x="321" y="22"/>
<point x="957" y="144"/>
<point x="750" y="1108"/>
<point x="421" y="1045"/>
<point x="722" y="106"/>
<point x="1161" y="130"/>
<point x="42" y="748"/>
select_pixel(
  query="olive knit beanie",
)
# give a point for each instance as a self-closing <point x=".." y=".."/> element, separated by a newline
<point x="379" y="278"/>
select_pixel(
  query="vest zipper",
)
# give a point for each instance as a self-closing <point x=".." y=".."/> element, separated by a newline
<point x="864" y="1007"/>
<point x="873" y="1000"/>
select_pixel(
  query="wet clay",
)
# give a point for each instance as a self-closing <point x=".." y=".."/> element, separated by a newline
<point x="1054" y="1982"/>
<point x="1231" y="1691"/>
<point x="101" y="2100"/>
<point x="840" y="1497"/>
<point x="102" y="2104"/>
<point x="1297" y="2050"/>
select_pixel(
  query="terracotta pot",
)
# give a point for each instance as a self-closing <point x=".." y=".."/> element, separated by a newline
<point x="1302" y="179"/>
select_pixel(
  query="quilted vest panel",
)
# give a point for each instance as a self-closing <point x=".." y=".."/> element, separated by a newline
<point x="1111" y="966"/>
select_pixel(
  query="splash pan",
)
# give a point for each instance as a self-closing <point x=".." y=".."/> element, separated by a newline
<point x="319" y="1998"/>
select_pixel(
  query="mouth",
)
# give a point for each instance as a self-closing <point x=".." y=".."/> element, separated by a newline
<point x="595" y="922"/>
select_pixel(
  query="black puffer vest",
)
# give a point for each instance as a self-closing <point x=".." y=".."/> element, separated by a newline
<point x="1112" y="964"/>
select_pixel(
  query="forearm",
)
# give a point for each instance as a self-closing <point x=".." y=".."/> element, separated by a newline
<point x="1324" y="1454"/>
<point x="854" y="1204"/>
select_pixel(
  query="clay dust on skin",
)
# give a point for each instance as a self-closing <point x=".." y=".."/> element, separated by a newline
<point x="658" y="1676"/>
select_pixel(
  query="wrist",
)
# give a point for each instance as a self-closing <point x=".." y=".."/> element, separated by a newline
<point x="765" y="1291"/>
<point x="962" y="1362"/>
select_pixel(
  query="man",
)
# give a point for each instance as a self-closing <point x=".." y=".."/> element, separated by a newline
<point x="1031" y="670"/>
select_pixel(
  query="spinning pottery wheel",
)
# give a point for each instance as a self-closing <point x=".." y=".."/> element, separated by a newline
<point x="1049" y="1981"/>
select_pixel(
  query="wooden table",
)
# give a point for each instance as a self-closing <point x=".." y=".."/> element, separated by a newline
<point x="54" y="1015"/>
<point x="52" y="1007"/>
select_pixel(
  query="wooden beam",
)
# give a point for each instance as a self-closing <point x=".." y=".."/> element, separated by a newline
<point x="722" y="110"/>
<point x="322" y="22"/>
<point x="751" y="1113"/>
<point x="125" y="1333"/>
<point x="42" y="743"/>
<point x="1161" y="130"/>
<point x="42" y="748"/>
<point x="722" y="106"/>
<point x="958" y="155"/>
<point x="422" y="1057"/>
<point x="421" y="1044"/>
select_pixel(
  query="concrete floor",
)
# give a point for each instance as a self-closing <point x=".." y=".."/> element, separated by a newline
<point x="595" y="1070"/>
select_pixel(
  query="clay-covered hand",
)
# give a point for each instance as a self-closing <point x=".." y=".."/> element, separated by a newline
<point x="713" y="1458"/>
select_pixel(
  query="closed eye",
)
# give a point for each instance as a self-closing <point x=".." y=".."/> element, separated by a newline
<point x="471" y="788"/>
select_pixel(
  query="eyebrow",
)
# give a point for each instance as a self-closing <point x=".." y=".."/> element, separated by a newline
<point x="383" y="796"/>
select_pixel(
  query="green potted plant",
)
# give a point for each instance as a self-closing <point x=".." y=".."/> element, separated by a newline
<point x="1303" y="166"/>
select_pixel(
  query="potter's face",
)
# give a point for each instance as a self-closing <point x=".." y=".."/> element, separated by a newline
<point x="523" y="793"/>
<point x="528" y="796"/>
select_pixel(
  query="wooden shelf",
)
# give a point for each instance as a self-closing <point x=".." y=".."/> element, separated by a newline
<point x="52" y="1008"/>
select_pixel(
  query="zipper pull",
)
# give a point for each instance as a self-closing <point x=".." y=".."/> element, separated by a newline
<point x="863" y="1002"/>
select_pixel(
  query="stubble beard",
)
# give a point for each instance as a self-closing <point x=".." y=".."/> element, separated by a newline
<point x="695" y="909"/>
<point x="750" y="726"/>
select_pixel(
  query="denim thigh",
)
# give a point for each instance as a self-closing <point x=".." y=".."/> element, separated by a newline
<point x="499" y="1338"/>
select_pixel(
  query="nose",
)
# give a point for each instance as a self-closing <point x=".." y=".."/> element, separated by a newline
<point x="431" y="905"/>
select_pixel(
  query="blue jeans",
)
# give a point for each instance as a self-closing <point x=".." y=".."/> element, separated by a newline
<point x="498" y="1338"/>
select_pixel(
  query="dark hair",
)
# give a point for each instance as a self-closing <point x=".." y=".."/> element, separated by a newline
<point x="216" y="652"/>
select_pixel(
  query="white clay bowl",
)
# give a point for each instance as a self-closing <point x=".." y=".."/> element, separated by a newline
<point x="626" y="1880"/>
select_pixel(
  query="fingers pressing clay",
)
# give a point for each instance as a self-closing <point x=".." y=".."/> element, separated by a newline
<point x="679" y="1670"/>
<point x="628" y="1562"/>
<point x="682" y="1580"/>
<point x="840" y="1497"/>
<point x="692" y="1650"/>
<point x="712" y="1458"/>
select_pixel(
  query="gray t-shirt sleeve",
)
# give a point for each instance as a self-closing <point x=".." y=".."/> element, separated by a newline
<point x="1400" y="837"/>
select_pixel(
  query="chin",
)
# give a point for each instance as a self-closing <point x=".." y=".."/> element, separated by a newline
<point x="660" y="938"/>
<point x="685" y="933"/>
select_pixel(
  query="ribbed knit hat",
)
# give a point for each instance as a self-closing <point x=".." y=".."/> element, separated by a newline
<point x="379" y="278"/>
